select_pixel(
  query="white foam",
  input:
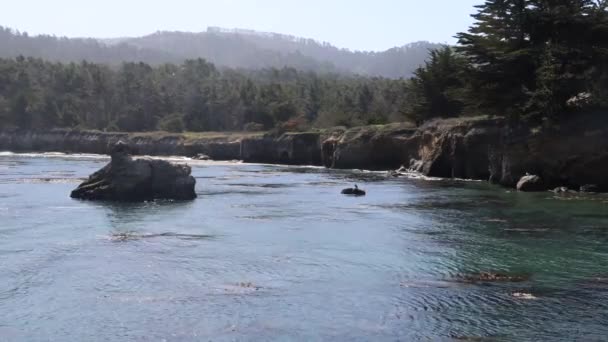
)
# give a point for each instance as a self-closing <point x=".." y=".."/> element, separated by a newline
<point x="414" y="175"/>
<point x="54" y="155"/>
<point x="418" y="175"/>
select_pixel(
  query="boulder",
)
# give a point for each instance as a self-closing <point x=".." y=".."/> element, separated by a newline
<point x="127" y="179"/>
<point x="530" y="183"/>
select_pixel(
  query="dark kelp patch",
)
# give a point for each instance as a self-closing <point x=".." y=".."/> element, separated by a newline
<point x="492" y="277"/>
<point x="130" y="236"/>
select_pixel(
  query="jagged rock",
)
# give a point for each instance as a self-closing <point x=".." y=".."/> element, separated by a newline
<point x="126" y="179"/>
<point x="530" y="183"/>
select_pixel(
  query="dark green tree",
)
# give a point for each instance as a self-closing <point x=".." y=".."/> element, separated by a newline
<point x="499" y="49"/>
<point x="434" y="89"/>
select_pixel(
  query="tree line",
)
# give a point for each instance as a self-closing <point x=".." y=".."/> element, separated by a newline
<point x="193" y="96"/>
<point x="532" y="60"/>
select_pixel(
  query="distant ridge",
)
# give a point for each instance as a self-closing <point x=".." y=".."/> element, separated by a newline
<point x="235" y="48"/>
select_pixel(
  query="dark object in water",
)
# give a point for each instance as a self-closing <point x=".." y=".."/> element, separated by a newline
<point x="353" y="191"/>
<point x="127" y="179"/>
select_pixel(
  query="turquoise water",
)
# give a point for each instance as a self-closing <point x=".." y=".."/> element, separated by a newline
<point x="276" y="253"/>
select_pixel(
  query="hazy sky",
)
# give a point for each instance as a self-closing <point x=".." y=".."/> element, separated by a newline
<point x="354" y="24"/>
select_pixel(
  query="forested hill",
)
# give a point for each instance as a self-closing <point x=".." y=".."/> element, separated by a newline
<point x="225" y="48"/>
<point x="251" y="49"/>
<point x="56" y="49"/>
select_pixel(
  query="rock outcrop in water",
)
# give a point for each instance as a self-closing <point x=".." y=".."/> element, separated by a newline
<point x="127" y="179"/>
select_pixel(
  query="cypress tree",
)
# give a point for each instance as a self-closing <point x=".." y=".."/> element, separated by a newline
<point x="501" y="55"/>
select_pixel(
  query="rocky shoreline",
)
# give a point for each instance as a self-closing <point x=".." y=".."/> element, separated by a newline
<point x="573" y="155"/>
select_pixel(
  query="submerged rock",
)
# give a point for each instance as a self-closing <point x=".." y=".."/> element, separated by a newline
<point x="399" y="172"/>
<point x="353" y="191"/>
<point x="530" y="183"/>
<point x="126" y="179"/>
<point x="563" y="190"/>
<point x="202" y="156"/>
<point x="589" y="188"/>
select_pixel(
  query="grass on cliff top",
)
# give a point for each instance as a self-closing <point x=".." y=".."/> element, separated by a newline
<point x="191" y="136"/>
<point x="158" y="135"/>
<point x="392" y="128"/>
<point x="456" y="121"/>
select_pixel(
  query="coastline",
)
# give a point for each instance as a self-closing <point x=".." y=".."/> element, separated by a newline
<point x="481" y="148"/>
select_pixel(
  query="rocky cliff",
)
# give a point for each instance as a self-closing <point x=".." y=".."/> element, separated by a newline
<point x="457" y="148"/>
<point x="290" y="148"/>
<point x="219" y="147"/>
<point x="573" y="154"/>
<point x="372" y="147"/>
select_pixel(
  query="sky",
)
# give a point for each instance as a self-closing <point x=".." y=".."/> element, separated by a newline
<point x="355" y="24"/>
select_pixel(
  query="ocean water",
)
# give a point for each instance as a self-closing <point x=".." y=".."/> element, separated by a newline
<point x="276" y="253"/>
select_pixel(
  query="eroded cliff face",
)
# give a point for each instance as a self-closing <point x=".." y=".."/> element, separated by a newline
<point x="457" y="148"/>
<point x="373" y="147"/>
<point x="574" y="154"/>
<point x="289" y="148"/>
